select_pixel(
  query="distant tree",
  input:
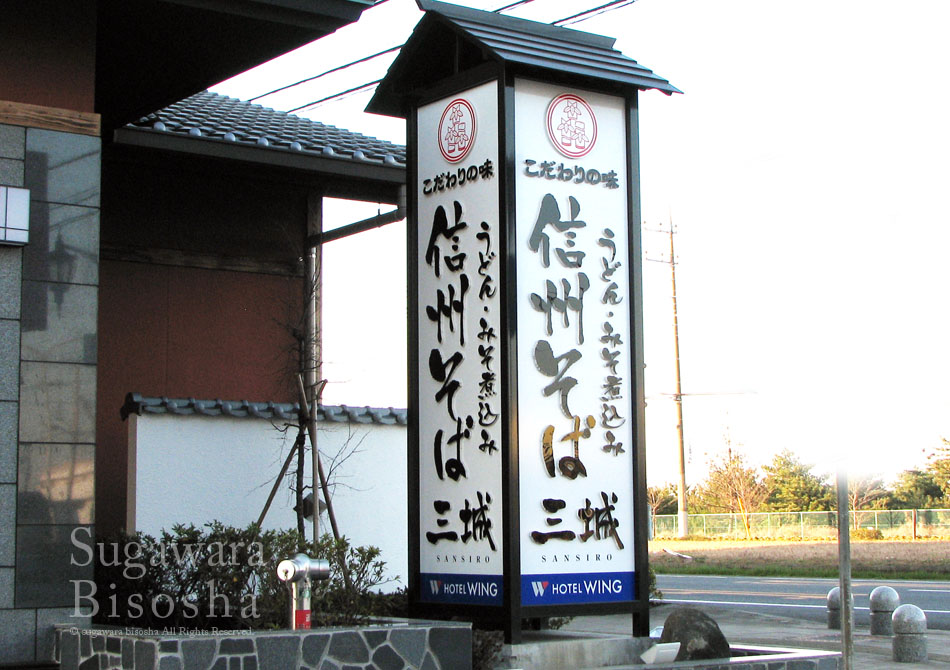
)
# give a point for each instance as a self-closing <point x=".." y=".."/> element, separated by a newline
<point x="938" y="465"/>
<point x="733" y="486"/>
<point x="793" y="486"/>
<point x="662" y="499"/>
<point x="695" y="500"/>
<point x="864" y="491"/>
<point x="915" y="489"/>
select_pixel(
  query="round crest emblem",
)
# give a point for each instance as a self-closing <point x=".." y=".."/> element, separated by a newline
<point x="457" y="130"/>
<point x="572" y="125"/>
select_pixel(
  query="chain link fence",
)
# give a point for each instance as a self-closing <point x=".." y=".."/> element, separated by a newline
<point x="808" y="525"/>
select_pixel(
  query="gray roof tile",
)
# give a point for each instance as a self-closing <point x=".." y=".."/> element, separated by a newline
<point x="136" y="403"/>
<point x="219" y="118"/>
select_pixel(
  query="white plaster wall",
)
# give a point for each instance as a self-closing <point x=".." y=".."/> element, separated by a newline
<point x="195" y="469"/>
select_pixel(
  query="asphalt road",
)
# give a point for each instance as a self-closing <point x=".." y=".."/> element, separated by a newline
<point x="802" y="598"/>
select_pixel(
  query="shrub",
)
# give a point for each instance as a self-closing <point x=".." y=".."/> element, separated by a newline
<point x="486" y="645"/>
<point x="226" y="578"/>
<point x="348" y="597"/>
<point x="866" y="534"/>
<point x="655" y="593"/>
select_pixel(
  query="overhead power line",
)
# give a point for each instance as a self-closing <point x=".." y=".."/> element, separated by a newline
<point x="591" y="13"/>
<point x="335" y="96"/>
<point x="364" y="59"/>
<point x="330" y="71"/>
<point x="511" y="6"/>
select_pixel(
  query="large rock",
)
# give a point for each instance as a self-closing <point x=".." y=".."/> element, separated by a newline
<point x="699" y="636"/>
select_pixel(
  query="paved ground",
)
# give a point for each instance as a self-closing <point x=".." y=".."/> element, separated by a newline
<point x="752" y="627"/>
<point x="801" y="598"/>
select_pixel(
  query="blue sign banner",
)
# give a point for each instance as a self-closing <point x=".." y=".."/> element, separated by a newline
<point x="590" y="587"/>
<point x="461" y="589"/>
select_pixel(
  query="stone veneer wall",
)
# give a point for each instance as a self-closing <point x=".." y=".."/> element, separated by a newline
<point x="419" y="646"/>
<point x="48" y="306"/>
<point x="19" y="625"/>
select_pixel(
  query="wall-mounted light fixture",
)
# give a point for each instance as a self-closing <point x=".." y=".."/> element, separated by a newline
<point x="14" y="215"/>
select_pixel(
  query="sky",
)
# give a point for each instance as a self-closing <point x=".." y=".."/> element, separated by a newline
<point x="806" y="171"/>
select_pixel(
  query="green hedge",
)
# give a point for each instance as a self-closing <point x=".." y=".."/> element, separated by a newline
<point x="222" y="577"/>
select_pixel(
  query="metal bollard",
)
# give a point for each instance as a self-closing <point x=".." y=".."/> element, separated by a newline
<point x="884" y="600"/>
<point x="297" y="573"/>
<point x="910" y="635"/>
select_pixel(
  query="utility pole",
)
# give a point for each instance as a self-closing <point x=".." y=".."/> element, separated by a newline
<point x="683" y="513"/>
<point x="844" y="572"/>
<point x="683" y="516"/>
<point x="678" y="398"/>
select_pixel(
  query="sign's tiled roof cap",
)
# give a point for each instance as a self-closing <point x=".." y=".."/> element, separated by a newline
<point x="450" y="34"/>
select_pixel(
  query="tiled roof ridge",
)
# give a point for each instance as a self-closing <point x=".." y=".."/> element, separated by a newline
<point x="211" y="97"/>
<point x="136" y="403"/>
<point x="216" y="117"/>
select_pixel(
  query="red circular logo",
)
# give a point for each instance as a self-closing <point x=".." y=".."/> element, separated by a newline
<point x="572" y="125"/>
<point x="457" y="130"/>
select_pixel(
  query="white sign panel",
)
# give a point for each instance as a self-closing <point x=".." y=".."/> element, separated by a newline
<point x="575" y="421"/>
<point x="459" y="274"/>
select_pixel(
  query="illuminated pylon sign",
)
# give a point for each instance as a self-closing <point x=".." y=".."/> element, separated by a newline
<point x="527" y="485"/>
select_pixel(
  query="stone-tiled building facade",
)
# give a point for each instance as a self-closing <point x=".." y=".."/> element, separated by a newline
<point x="48" y="303"/>
<point x="72" y="76"/>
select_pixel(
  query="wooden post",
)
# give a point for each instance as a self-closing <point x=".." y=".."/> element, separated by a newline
<point x="298" y="444"/>
<point x="309" y="416"/>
